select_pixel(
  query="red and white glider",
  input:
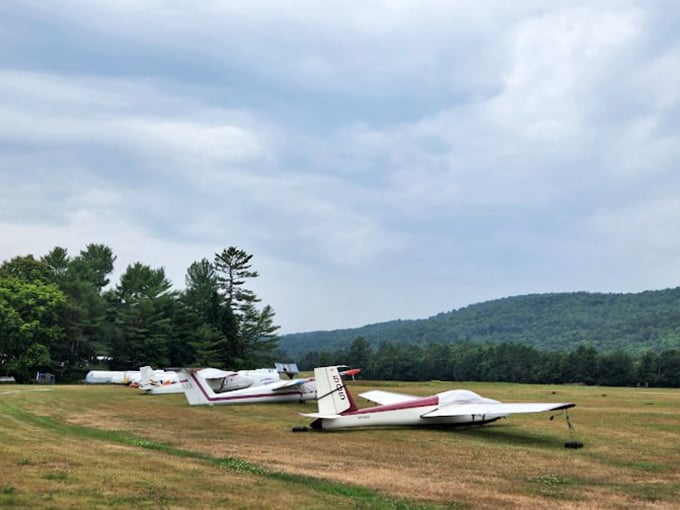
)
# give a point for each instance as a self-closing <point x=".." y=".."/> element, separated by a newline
<point x="203" y="386"/>
<point x="199" y="391"/>
<point x="337" y="409"/>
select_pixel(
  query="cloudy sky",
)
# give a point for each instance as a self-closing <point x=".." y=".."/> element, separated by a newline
<point x="379" y="159"/>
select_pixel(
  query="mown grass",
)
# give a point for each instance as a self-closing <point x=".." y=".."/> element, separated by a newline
<point x="109" y="447"/>
<point x="360" y="495"/>
<point x="44" y="428"/>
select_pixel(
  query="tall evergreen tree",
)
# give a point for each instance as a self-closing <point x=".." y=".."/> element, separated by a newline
<point x="201" y="288"/>
<point x="94" y="264"/>
<point x="58" y="262"/>
<point x="214" y="324"/>
<point x="258" y="336"/>
<point x="255" y="336"/>
<point x="82" y="280"/>
<point x="233" y="268"/>
<point x="143" y="313"/>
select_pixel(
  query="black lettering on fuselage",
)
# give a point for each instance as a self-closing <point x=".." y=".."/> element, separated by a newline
<point x="339" y="387"/>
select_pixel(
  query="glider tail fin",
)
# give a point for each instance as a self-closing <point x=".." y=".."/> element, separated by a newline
<point x="333" y="397"/>
<point x="147" y="377"/>
<point x="194" y="389"/>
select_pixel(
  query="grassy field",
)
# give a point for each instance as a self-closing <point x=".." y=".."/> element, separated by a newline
<point x="111" y="447"/>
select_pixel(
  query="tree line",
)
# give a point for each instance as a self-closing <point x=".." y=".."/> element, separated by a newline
<point x="503" y="362"/>
<point x="59" y="314"/>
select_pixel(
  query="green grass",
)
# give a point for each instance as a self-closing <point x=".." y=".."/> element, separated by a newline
<point x="109" y="447"/>
<point x="360" y="496"/>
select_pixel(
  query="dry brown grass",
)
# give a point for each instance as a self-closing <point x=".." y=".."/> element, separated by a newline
<point x="631" y="456"/>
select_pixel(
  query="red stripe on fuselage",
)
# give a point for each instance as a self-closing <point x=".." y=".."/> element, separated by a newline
<point x="237" y="397"/>
<point x="408" y="404"/>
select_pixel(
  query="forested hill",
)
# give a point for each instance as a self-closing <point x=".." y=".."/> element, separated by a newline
<point x="558" y="321"/>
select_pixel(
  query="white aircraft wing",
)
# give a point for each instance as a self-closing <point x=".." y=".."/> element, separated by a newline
<point x="321" y="415"/>
<point x="283" y="385"/>
<point x="493" y="409"/>
<point x="384" y="398"/>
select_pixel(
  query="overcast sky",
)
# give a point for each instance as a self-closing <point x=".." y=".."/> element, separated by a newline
<point x="380" y="159"/>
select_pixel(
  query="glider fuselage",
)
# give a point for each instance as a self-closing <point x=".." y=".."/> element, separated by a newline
<point x="198" y="391"/>
<point x="408" y="413"/>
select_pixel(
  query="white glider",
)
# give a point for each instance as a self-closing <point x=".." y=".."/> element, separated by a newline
<point x="207" y="387"/>
<point x="337" y="409"/>
<point x="199" y="391"/>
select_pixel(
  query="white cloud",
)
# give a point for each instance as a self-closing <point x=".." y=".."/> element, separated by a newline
<point x="87" y="110"/>
<point x="476" y="151"/>
<point x="644" y="230"/>
<point x="557" y="62"/>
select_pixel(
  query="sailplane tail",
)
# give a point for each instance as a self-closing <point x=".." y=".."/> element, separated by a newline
<point x="147" y="377"/>
<point x="332" y="395"/>
<point x="194" y="391"/>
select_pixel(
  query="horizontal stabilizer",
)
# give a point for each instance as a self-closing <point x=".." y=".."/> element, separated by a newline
<point x="322" y="416"/>
<point x="494" y="409"/>
<point x="384" y="398"/>
<point x="283" y="385"/>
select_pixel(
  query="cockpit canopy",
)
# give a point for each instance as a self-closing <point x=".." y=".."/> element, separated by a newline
<point x="460" y="397"/>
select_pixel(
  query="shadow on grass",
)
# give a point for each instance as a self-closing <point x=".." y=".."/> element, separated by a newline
<point x="487" y="433"/>
<point x="514" y="437"/>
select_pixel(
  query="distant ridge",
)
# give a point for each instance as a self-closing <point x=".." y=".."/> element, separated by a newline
<point x="633" y="322"/>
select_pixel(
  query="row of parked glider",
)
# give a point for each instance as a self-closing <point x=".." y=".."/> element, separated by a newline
<point x="336" y="406"/>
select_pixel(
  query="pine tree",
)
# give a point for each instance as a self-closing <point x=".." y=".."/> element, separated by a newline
<point x="255" y="336"/>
